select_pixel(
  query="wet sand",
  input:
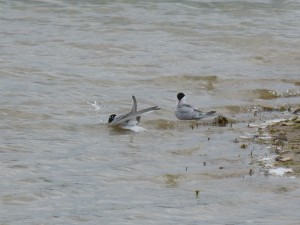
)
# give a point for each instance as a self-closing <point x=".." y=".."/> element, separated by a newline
<point x="286" y="143"/>
<point x="278" y="130"/>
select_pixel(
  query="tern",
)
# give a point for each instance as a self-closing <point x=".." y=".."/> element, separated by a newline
<point x="187" y="112"/>
<point x="130" y="119"/>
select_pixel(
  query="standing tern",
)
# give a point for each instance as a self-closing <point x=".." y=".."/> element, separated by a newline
<point x="187" y="112"/>
<point x="130" y="119"/>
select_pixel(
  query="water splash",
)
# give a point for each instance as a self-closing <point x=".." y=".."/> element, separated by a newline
<point x="135" y="128"/>
<point x="97" y="107"/>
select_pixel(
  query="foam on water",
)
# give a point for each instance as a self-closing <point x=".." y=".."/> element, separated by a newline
<point x="280" y="171"/>
<point x="134" y="128"/>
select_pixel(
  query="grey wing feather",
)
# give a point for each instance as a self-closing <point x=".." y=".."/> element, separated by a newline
<point x="188" y="112"/>
<point x="198" y="113"/>
<point x="210" y="113"/>
<point x="134" y="108"/>
<point x="185" y="112"/>
<point x="129" y="116"/>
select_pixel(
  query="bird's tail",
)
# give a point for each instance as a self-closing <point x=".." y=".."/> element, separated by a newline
<point x="210" y="113"/>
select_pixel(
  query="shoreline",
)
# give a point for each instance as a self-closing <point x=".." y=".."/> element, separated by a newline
<point x="282" y="138"/>
<point x="286" y="143"/>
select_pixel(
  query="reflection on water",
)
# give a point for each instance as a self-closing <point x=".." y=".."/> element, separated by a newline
<point x="67" y="65"/>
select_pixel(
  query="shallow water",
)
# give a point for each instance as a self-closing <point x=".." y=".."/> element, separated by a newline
<point x="65" y="66"/>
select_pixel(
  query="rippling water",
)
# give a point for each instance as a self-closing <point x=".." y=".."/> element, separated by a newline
<point x="66" y="65"/>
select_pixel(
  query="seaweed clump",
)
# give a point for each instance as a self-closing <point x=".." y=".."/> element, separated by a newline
<point x="221" y="121"/>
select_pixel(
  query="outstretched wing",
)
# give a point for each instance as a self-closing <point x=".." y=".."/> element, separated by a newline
<point x="134" y="108"/>
<point x="123" y="118"/>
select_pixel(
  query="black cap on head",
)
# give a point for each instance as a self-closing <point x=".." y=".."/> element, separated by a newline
<point x="111" y="118"/>
<point x="180" y="96"/>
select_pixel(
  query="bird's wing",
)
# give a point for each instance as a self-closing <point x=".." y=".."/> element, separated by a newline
<point x="134" y="108"/>
<point x="185" y="112"/>
<point x="123" y="118"/>
<point x="188" y="112"/>
<point x="201" y="112"/>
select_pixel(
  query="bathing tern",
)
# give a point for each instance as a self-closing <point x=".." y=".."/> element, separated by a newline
<point x="131" y="119"/>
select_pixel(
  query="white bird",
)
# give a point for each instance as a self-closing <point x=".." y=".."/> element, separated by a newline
<point x="187" y="112"/>
<point x="130" y="119"/>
